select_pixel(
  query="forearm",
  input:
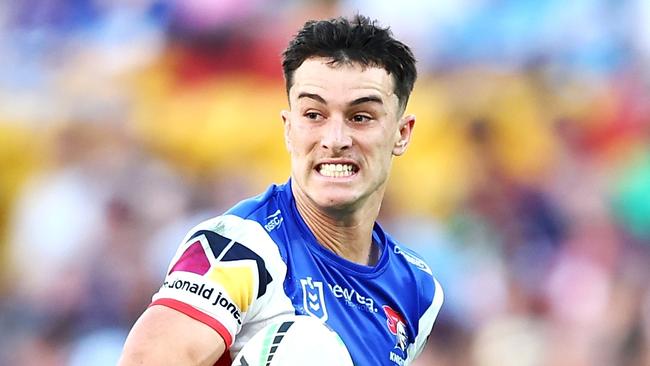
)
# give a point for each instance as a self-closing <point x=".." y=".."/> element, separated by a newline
<point x="163" y="336"/>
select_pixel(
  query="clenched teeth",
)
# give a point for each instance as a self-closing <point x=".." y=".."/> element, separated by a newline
<point x="337" y="170"/>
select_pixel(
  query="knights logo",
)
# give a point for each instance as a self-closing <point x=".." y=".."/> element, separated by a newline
<point x="397" y="327"/>
<point x="313" y="298"/>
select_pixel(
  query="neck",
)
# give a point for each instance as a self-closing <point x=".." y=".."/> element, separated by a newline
<point x="346" y="233"/>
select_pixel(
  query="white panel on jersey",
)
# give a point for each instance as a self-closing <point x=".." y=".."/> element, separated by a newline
<point x="426" y="324"/>
<point x="227" y="290"/>
<point x="274" y="304"/>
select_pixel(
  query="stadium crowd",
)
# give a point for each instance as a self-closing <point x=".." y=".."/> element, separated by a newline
<point x="527" y="187"/>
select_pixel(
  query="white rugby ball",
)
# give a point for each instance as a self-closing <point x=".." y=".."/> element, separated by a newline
<point x="300" y="340"/>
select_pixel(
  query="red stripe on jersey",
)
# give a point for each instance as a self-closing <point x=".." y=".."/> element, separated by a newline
<point x="194" y="313"/>
<point x="225" y="360"/>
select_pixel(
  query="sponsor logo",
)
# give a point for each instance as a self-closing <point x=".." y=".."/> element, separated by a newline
<point x="188" y="286"/>
<point x="417" y="262"/>
<point x="234" y="264"/>
<point x="353" y="298"/>
<point x="273" y="221"/>
<point x="397" y="327"/>
<point x="313" y="298"/>
<point x="207" y="293"/>
<point x="240" y="272"/>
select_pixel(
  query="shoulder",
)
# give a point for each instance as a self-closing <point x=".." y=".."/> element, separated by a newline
<point x="239" y="234"/>
<point x="233" y="238"/>
<point x="419" y="272"/>
<point x="407" y="257"/>
<point x="236" y="240"/>
<point x="242" y="232"/>
<point x="247" y="223"/>
<point x="258" y="206"/>
<point x="225" y="269"/>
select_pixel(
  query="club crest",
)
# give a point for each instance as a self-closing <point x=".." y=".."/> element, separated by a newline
<point x="397" y="327"/>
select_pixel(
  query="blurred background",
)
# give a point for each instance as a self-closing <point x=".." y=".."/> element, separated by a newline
<point x="527" y="186"/>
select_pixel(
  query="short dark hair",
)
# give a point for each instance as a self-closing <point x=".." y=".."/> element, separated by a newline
<point x="358" y="40"/>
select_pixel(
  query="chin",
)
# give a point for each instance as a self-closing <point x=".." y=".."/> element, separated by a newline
<point x="337" y="200"/>
<point x="332" y="195"/>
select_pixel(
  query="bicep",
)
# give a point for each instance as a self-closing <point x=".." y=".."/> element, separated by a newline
<point x="164" y="336"/>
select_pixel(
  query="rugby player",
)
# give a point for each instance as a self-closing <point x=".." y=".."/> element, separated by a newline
<point x="311" y="245"/>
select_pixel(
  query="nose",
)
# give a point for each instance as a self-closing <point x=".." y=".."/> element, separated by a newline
<point x="336" y="135"/>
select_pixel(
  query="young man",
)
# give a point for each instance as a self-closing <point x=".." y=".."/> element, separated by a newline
<point x="310" y="246"/>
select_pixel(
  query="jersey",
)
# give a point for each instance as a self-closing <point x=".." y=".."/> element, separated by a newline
<point x="259" y="262"/>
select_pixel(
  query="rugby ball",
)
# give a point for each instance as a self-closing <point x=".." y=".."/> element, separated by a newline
<point x="300" y="340"/>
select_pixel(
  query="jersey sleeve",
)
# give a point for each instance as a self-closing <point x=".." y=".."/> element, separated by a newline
<point x="425" y="324"/>
<point x="430" y="301"/>
<point x="215" y="277"/>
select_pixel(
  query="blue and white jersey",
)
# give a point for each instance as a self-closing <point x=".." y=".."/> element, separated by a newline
<point x="259" y="262"/>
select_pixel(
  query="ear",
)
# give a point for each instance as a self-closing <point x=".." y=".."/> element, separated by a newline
<point x="286" y="119"/>
<point x="405" y="129"/>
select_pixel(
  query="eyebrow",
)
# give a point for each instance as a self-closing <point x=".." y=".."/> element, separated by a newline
<point x="318" y="98"/>
<point x="315" y="97"/>
<point x="368" y="99"/>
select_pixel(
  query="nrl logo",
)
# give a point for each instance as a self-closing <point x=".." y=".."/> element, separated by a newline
<point x="313" y="298"/>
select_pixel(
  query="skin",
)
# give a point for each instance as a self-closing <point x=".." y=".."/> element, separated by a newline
<point x="337" y="114"/>
<point x="343" y="114"/>
<point x="166" y="337"/>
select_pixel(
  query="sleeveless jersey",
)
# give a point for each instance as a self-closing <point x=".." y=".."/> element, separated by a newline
<point x="259" y="262"/>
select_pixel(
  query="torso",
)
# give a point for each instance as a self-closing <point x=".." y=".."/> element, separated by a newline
<point x="383" y="312"/>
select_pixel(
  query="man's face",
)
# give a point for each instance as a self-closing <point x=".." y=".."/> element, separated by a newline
<point x="342" y="130"/>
